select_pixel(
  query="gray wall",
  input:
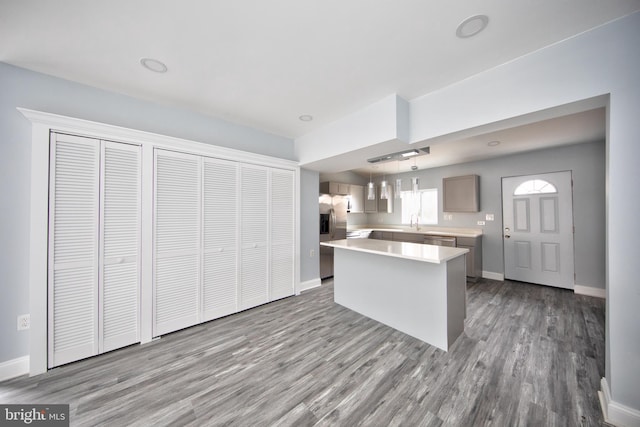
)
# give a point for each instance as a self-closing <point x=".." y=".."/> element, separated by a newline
<point x="22" y="88"/>
<point x="309" y="225"/>
<point x="587" y="163"/>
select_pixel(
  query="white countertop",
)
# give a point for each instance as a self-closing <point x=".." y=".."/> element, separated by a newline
<point x="426" y="230"/>
<point x="413" y="251"/>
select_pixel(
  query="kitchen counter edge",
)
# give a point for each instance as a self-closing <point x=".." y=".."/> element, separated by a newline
<point x="412" y="251"/>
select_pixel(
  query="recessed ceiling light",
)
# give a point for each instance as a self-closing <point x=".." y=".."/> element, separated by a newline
<point x="153" y="65"/>
<point x="472" y="26"/>
<point x="306" y="117"/>
<point x="493" y="143"/>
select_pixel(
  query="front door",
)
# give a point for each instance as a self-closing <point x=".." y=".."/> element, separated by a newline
<point x="538" y="229"/>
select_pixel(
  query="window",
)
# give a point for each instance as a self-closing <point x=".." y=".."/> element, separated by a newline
<point x="534" y="186"/>
<point x="423" y="203"/>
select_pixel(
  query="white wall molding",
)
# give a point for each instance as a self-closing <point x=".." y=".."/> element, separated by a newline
<point x="616" y="413"/>
<point x="590" y="291"/>
<point x="308" y="284"/>
<point x="493" y="276"/>
<point x="14" y="368"/>
<point x="91" y="129"/>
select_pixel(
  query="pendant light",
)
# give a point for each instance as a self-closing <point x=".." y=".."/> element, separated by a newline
<point x="384" y="187"/>
<point x="414" y="181"/>
<point x="371" y="189"/>
<point x="398" y="188"/>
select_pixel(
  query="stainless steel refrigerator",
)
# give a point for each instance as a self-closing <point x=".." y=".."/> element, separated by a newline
<point x="333" y="226"/>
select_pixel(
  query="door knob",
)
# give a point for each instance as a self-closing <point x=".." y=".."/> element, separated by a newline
<point x="506" y="236"/>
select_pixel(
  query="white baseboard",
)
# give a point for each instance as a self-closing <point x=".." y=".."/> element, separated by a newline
<point x="308" y="284"/>
<point x="590" y="291"/>
<point x="14" y="368"/>
<point x="493" y="276"/>
<point x="615" y="413"/>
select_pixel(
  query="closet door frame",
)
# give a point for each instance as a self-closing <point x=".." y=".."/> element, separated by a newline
<point x="42" y="124"/>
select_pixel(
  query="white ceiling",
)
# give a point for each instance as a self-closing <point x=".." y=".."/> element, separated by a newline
<point x="265" y="63"/>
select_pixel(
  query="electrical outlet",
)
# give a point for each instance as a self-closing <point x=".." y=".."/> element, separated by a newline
<point x="312" y="253"/>
<point x="480" y="222"/>
<point x="489" y="217"/>
<point x="24" y="322"/>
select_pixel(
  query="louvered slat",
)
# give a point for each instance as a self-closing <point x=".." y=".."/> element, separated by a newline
<point x="177" y="241"/>
<point x="254" y="289"/>
<point x="220" y="197"/>
<point x="73" y="251"/>
<point x="254" y="226"/>
<point x="282" y="233"/>
<point x="120" y="245"/>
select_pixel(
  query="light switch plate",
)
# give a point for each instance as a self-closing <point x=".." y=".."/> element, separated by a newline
<point x="489" y="217"/>
<point x="480" y="222"/>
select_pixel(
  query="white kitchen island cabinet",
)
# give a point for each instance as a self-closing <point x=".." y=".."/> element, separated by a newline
<point x="417" y="289"/>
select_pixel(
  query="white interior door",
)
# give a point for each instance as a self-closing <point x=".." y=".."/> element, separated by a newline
<point x="282" y="233"/>
<point x="177" y="231"/>
<point x="94" y="252"/>
<point x="73" y="249"/>
<point x="119" y="280"/>
<point x="254" y="232"/>
<point x="538" y="229"/>
<point x="220" y="238"/>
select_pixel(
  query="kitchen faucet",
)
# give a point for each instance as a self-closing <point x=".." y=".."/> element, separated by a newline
<point x="411" y="220"/>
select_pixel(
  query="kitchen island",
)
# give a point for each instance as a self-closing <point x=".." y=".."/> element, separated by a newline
<point x="415" y="288"/>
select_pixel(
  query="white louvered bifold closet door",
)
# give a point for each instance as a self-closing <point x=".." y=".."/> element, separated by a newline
<point x="120" y="245"/>
<point x="254" y="231"/>
<point x="220" y="241"/>
<point x="282" y="233"/>
<point x="73" y="248"/>
<point x="177" y="230"/>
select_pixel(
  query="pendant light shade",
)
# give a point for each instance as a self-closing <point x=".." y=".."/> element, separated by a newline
<point x="398" y="188"/>
<point x="371" y="191"/>
<point x="384" y="190"/>
<point x="414" y="184"/>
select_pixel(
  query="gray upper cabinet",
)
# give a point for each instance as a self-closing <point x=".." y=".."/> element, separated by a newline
<point x="461" y="193"/>
<point x="338" y="188"/>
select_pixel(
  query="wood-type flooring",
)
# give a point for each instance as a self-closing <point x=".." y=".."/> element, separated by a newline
<point x="530" y="355"/>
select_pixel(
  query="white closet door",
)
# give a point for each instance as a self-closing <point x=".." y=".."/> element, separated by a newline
<point x="220" y="241"/>
<point x="120" y="245"/>
<point x="177" y="230"/>
<point x="254" y="231"/>
<point x="282" y="233"/>
<point x="73" y="248"/>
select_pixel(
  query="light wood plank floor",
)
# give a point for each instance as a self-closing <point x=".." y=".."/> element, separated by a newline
<point x="530" y="355"/>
